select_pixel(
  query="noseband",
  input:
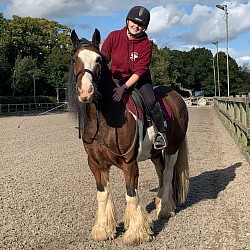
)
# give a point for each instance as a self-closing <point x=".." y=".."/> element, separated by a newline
<point x="95" y="77"/>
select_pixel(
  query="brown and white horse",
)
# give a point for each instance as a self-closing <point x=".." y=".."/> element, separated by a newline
<point x="112" y="135"/>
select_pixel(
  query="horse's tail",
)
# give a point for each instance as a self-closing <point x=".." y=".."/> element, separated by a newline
<point x="181" y="174"/>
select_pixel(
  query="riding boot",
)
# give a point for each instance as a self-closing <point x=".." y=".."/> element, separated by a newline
<point x="161" y="136"/>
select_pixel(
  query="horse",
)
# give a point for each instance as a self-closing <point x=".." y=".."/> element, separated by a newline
<point x="113" y="135"/>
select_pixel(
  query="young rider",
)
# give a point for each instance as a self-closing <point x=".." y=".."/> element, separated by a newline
<point x="130" y="53"/>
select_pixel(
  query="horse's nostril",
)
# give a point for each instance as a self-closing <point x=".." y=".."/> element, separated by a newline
<point x="82" y="99"/>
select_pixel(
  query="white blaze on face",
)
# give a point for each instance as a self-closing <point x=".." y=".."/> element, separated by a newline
<point x="86" y="88"/>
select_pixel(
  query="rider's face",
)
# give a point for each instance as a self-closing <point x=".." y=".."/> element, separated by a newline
<point x="134" y="27"/>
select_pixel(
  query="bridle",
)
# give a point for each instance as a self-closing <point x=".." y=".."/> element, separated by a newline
<point x="96" y="78"/>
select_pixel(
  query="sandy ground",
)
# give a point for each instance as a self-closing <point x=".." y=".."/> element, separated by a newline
<point x="48" y="195"/>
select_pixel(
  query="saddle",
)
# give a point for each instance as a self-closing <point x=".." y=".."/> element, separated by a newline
<point x="135" y="103"/>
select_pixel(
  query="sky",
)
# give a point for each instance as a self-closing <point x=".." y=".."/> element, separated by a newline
<point x="179" y="25"/>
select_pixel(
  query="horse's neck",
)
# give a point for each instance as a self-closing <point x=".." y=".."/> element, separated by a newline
<point x="106" y="89"/>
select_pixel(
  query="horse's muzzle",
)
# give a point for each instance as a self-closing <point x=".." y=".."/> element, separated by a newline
<point x="85" y="99"/>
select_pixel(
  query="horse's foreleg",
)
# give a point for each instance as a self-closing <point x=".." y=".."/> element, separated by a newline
<point x="165" y="204"/>
<point x="138" y="228"/>
<point x="105" y="224"/>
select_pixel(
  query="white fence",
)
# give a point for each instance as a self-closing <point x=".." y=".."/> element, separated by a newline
<point x="27" y="107"/>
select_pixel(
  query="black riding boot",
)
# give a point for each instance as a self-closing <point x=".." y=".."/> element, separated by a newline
<point x="157" y="118"/>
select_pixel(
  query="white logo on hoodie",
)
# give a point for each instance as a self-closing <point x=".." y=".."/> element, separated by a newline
<point x="134" y="56"/>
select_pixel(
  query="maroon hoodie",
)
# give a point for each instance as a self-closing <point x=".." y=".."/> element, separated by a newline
<point x="128" y="56"/>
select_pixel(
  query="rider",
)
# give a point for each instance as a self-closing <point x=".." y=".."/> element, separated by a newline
<point x="130" y="53"/>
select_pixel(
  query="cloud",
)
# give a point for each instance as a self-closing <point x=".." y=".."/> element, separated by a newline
<point x="206" y="23"/>
<point x="67" y="8"/>
<point x="212" y="23"/>
<point x="164" y="18"/>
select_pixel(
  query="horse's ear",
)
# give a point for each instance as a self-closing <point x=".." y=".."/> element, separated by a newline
<point x="96" y="38"/>
<point x="74" y="39"/>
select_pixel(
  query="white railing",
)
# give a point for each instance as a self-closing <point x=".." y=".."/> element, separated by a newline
<point x="26" y="107"/>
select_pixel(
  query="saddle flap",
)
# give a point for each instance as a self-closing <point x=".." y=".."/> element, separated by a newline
<point x="138" y="110"/>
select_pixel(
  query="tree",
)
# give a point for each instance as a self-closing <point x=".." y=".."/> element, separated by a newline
<point x="24" y="75"/>
<point x="160" y="66"/>
<point x="192" y="70"/>
<point x="244" y="80"/>
<point x="235" y="75"/>
<point x="30" y="37"/>
<point x="57" y="67"/>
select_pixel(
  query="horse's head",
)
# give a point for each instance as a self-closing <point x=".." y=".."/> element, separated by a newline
<point x="87" y="65"/>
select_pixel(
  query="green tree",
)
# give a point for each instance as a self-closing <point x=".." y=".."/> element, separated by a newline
<point x="244" y="80"/>
<point x="30" y="37"/>
<point x="235" y="75"/>
<point x="24" y="75"/>
<point x="160" y="66"/>
<point x="57" y="67"/>
<point x="177" y="68"/>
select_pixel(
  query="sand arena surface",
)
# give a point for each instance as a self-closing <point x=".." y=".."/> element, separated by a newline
<point x="48" y="194"/>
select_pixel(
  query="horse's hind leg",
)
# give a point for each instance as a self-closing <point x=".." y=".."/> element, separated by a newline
<point x="105" y="224"/>
<point x="165" y="203"/>
<point x="138" y="228"/>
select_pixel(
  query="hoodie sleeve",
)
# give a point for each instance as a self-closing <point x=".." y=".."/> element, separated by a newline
<point x="141" y="65"/>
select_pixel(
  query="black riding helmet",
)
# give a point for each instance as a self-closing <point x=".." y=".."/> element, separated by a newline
<point x="139" y="14"/>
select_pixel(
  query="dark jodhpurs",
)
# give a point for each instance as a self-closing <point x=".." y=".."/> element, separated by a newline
<point x="146" y="90"/>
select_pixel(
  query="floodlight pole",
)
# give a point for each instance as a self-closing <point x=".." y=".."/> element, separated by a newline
<point x="215" y="91"/>
<point x="224" y="7"/>
<point x="217" y="61"/>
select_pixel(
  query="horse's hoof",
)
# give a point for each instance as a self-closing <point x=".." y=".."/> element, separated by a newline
<point x="101" y="234"/>
<point x="136" y="238"/>
<point x="163" y="214"/>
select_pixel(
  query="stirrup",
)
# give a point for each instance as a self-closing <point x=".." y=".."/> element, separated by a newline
<point x="160" y="141"/>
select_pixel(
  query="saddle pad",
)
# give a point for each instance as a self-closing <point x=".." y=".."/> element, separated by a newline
<point x="137" y="110"/>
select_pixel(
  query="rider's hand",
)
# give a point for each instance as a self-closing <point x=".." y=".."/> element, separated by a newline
<point x="118" y="92"/>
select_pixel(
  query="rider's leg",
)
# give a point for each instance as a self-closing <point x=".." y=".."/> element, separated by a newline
<point x="161" y="137"/>
<point x="146" y="90"/>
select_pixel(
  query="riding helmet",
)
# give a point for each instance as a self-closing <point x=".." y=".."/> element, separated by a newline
<point x="139" y="14"/>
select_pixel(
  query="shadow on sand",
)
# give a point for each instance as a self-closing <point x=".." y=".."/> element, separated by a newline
<point x="205" y="186"/>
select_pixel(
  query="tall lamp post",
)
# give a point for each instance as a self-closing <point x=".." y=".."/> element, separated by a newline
<point x="217" y="62"/>
<point x="215" y="90"/>
<point x="224" y="7"/>
<point x="34" y="88"/>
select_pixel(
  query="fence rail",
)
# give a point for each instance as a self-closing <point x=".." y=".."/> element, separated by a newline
<point x="26" y="107"/>
<point x="235" y="114"/>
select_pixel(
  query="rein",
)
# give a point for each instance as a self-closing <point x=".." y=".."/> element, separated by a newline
<point x="102" y="136"/>
<point x="107" y="146"/>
